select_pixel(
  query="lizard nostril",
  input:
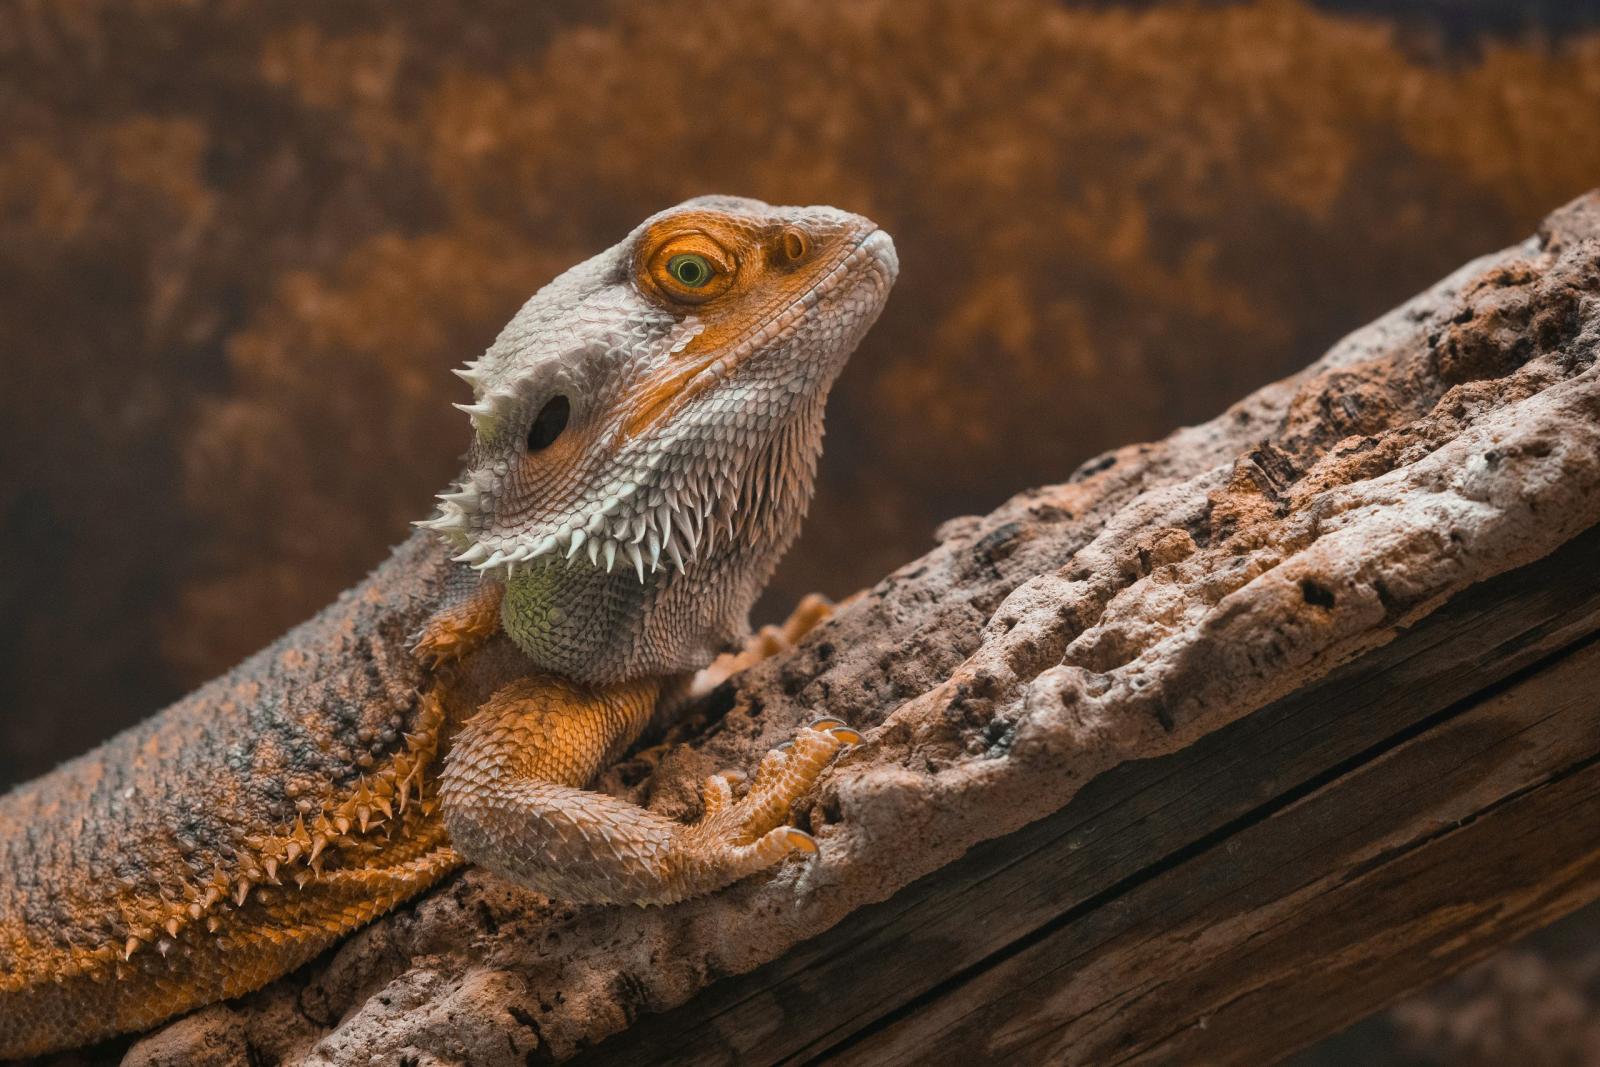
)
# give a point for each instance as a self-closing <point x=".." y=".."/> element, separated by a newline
<point x="795" y="244"/>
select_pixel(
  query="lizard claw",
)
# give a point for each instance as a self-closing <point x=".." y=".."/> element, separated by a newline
<point x="740" y="836"/>
<point x="800" y="841"/>
<point x="838" y="728"/>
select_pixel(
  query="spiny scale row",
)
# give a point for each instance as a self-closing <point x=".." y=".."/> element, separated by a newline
<point x="298" y="854"/>
<point x="659" y="527"/>
<point x="484" y="405"/>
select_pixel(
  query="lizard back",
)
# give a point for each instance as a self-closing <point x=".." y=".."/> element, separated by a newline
<point x="141" y="873"/>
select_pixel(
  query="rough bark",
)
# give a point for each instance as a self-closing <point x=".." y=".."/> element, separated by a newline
<point x="1164" y="592"/>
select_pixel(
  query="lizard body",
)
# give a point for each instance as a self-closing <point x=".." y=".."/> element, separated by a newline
<point x="645" y="437"/>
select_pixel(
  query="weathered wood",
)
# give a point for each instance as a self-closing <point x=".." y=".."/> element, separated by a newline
<point x="1239" y="898"/>
<point x="1317" y="916"/>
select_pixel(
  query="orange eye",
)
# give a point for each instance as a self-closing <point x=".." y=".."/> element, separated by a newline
<point x="690" y="268"/>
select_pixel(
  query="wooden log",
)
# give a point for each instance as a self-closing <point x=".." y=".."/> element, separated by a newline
<point x="1242" y="897"/>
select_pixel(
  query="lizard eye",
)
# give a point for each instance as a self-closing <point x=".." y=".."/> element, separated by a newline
<point x="691" y="269"/>
<point x="688" y="268"/>
<point x="548" y="424"/>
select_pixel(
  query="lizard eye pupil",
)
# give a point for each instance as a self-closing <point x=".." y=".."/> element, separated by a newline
<point x="548" y="424"/>
<point x="690" y="270"/>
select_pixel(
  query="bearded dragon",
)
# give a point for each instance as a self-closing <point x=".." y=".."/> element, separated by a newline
<point x="645" y="438"/>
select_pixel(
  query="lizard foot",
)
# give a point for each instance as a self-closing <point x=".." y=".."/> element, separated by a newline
<point x="813" y="610"/>
<point x="510" y="804"/>
<point x="739" y="836"/>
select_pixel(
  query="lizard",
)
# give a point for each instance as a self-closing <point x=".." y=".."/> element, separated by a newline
<point x="645" y="435"/>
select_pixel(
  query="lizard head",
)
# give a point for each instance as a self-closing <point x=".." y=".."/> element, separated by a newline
<point x="665" y="393"/>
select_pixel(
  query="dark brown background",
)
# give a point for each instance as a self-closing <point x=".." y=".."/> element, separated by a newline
<point x="241" y="243"/>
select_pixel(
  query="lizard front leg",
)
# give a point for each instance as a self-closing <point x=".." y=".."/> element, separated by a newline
<point x="512" y="799"/>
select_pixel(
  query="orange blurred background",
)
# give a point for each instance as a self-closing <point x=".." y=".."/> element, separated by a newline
<point x="241" y="244"/>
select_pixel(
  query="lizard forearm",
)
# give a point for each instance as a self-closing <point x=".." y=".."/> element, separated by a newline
<point x="512" y="800"/>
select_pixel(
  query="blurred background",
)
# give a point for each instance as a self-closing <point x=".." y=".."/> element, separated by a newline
<point x="241" y="243"/>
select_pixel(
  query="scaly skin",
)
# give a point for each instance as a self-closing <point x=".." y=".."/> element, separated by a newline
<point x="645" y="441"/>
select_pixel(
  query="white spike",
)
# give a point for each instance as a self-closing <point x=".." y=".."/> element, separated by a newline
<point x="677" y="559"/>
<point x="495" y="559"/>
<point x="594" y="551"/>
<point x="664" y="520"/>
<point x="638" y="560"/>
<point x="544" y="547"/>
<point x="441" y="523"/>
<point x="578" y="537"/>
<point x="476" y="410"/>
<point x="476" y="554"/>
<point x="638" y="528"/>
<point x="466" y="374"/>
<point x="654" y="545"/>
<point x="611" y="554"/>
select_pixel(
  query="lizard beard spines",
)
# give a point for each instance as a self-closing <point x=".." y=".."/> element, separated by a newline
<point x="645" y="527"/>
<point x="460" y="509"/>
<point x="662" y="520"/>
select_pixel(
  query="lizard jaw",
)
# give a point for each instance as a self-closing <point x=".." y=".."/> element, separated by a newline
<point x="661" y="517"/>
